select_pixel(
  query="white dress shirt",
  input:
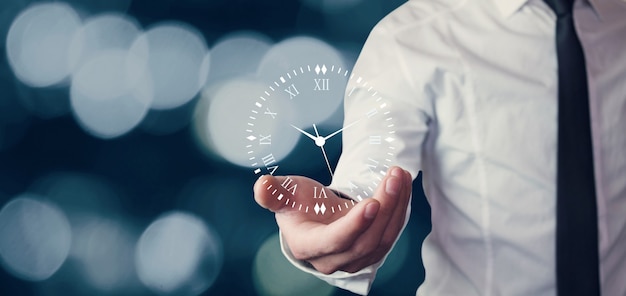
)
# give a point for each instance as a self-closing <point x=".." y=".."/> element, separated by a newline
<point x="474" y="90"/>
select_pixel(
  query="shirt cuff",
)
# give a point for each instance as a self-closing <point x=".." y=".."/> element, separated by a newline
<point x="359" y="282"/>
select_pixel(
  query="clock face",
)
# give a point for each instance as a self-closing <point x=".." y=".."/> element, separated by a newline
<point x="297" y="124"/>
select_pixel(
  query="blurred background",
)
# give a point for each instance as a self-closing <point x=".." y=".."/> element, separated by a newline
<point x="113" y="182"/>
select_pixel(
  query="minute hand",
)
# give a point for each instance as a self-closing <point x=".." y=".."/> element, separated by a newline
<point x="340" y="130"/>
<point x="312" y="137"/>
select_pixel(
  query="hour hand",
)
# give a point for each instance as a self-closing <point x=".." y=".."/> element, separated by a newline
<point x="312" y="137"/>
<point x="340" y="130"/>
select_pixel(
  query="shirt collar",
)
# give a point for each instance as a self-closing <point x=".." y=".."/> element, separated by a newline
<point x="602" y="8"/>
<point x="509" y="7"/>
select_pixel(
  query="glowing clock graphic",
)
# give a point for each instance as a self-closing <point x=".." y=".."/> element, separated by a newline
<point x="290" y="117"/>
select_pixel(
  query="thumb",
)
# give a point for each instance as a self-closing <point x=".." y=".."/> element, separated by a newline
<point x="269" y="194"/>
<point x="263" y="194"/>
<point x="287" y="194"/>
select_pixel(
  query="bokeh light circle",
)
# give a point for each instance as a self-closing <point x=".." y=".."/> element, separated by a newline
<point x="221" y="120"/>
<point x="175" y="59"/>
<point x="296" y="52"/>
<point x="38" y="43"/>
<point x="96" y="6"/>
<point x="238" y="54"/>
<point x="107" y="98"/>
<point x="100" y="33"/>
<point x="178" y="254"/>
<point x="273" y="275"/>
<point x="104" y="249"/>
<point x="35" y="238"/>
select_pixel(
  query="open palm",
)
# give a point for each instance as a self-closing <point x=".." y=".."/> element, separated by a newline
<point x="347" y="236"/>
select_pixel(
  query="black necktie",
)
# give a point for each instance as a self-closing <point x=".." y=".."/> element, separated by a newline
<point x="577" y="219"/>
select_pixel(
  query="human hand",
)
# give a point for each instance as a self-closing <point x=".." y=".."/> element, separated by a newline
<point x="347" y="240"/>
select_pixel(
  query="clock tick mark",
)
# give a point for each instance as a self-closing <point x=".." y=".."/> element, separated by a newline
<point x="257" y="121"/>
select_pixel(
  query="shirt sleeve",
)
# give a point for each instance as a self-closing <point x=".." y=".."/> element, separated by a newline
<point x="359" y="282"/>
<point x="382" y="64"/>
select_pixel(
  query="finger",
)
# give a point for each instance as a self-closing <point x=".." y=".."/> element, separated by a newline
<point x="266" y="193"/>
<point x="398" y="218"/>
<point x="293" y="194"/>
<point x="391" y="233"/>
<point x="310" y="239"/>
<point x="388" y="194"/>
<point x="370" y="247"/>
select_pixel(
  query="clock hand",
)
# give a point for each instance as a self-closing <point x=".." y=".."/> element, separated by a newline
<point x="330" y="170"/>
<point x="320" y="141"/>
<point x="315" y="128"/>
<point x="312" y="137"/>
<point x="340" y="130"/>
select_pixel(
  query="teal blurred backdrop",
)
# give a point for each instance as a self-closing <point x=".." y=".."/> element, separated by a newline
<point x="152" y="200"/>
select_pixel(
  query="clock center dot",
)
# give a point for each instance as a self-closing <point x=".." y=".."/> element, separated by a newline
<point x="319" y="141"/>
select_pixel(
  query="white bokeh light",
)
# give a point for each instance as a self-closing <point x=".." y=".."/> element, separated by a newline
<point x="38" y="43"/>
<point x="178" y="254"/>
<point x="100" y="33"/>
<point x="273" y="275"/>
<point x="95" y="6"/>
<point x="35" y="238"/>
<point x="238" y="54"/>
<point x="104" y="249"/>
<point x="314" y="107"/>
<point x="107" y="97"/>
<point x="222" y="115"/>
<point x="175" y="59"/>
<point x="296" y="52"/>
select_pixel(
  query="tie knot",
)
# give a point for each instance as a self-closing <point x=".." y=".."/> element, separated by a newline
<point x="561" y="7"/>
